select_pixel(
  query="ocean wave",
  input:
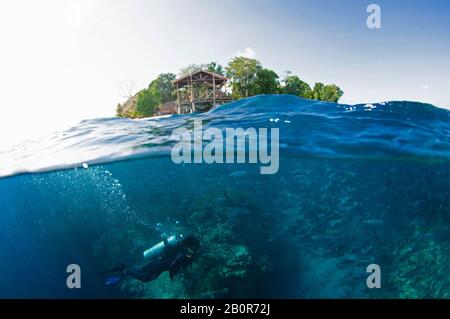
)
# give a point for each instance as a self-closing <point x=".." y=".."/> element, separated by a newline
<point x="308" y="128"/>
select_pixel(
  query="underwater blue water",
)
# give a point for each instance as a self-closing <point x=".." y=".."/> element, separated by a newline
<point x="357" y="185"/>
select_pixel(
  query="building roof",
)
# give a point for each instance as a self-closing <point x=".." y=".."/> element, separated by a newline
<point x="201" y="76"/>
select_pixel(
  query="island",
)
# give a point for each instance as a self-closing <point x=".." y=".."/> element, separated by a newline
<point x="199" y="88"/>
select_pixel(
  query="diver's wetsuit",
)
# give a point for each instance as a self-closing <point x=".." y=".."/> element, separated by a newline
<point x="172" y="261"/>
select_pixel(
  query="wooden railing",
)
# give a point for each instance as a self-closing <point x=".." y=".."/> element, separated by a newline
<point x="202" y="95"/>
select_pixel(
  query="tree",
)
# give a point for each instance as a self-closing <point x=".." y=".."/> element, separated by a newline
<point x="266" y="82"/>
<point x="147" y="102"/>
<point x="328" y="93"/>
<point x="215" y="67"/>
<point x="163" y="86"/>
<point x="128" y="89"/>
<point x="317" y="91"/>
<point x="211" y="67"/>
<point x="191" y="68"/>
<point x="295" y="86"/>
<point x="243" y="73"/>
<point x="331" y="93"/>
<point x="247" y="78"/>
<point x="120" y="110"/>
<point x="158" y="92"/>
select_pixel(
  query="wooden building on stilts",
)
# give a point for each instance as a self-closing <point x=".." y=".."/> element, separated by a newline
<point x="200" y="91"/>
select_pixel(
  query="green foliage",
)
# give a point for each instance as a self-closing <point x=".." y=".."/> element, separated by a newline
<point x="331" y="93"/>
<point x="266" y="82"/>
<point x="192" y="68"/>
<point x="317" y="91"/>
<point x="211" y="67"/>
<point x="216" y="68"/>
<point x="147" y="101"/>
<point x="295" y="86"/>
<point x="243" y="74"/>
<point x="328" y="93"/>
<point x="163" y="86"/>
<point x="128" y="109"/>
<point x="158" y="92"/>
<point x="247" y="78"/>
<point x="120" y="110"/>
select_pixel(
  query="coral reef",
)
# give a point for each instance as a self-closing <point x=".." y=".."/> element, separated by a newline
<point x="310" y="232"/>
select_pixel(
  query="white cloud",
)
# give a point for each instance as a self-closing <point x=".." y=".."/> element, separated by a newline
<point x="425" y="86"/>
<point x="247" y="53"/>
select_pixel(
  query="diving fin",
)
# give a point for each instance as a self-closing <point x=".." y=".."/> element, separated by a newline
<point x="114" y="280"/>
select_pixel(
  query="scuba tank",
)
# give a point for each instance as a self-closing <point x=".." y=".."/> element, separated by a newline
<point x="160" y="247"/>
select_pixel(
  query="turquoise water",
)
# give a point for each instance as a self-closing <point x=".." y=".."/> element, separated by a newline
<point x="356" y="185"/>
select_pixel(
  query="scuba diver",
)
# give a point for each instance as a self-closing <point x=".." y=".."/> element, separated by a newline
<point x="172" y="254"/>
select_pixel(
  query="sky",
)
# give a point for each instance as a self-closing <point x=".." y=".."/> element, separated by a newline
<point x="63" y="61"/>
